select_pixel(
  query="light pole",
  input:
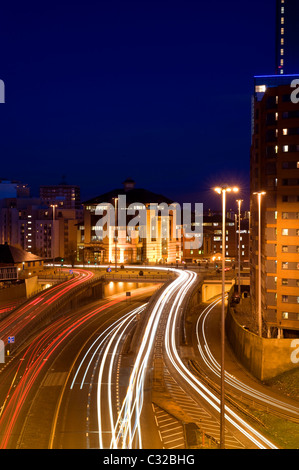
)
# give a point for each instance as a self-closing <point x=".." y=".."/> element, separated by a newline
<point x="239" y="201"/>
<point x="259" y="200"/>
<point x="53" y="207"/>
<point x="223" y="190"/>
<point x="115" y="237"/>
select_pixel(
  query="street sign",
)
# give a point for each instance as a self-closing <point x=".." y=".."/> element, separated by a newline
<point x="71" y="271"/>
<point x="11" y="339"/>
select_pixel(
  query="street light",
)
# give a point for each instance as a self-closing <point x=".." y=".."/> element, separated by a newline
<point x="53" y="207"/>
<point x="115" y="237"/>
<point x="239" y="201"/>
<point x="259" y="200"/>
<point x="223" y="190"/>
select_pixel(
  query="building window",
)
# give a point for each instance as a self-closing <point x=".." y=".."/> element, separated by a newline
<point x="285" y="248"/>
<point x="285" y="265"/>
<point x="285" y="231"/>
<point x="285" y="315"/>
<point x="285" y="215"/>
<point x="284" y="282"/>
<point x="260" y="88"/>
<point x="285" y="298"/>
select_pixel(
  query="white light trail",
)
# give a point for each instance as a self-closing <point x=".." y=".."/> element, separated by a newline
<point x="172" y="352"/>
<point x="214" y="366"/>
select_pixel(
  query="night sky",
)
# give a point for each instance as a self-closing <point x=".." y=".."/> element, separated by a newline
<point x="159" y="91"/>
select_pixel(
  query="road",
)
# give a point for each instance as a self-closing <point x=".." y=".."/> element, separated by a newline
<point x="32" y="387"/>
<point x="88" y="379"/>
<point x="204" y="408"/>
<point x="239" y="383"/>
<point x="18" y="319"/>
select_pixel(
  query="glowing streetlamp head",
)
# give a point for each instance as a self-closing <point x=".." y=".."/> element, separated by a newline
<point x="226" y="189"/>
<point x="261" y="193"/>
<point x="218" y="190"/>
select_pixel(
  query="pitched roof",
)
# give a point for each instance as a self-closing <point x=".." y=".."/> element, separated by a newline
<point x="133" y="195"/>
<point x="12" y="255"/>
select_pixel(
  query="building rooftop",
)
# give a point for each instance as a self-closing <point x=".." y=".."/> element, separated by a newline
<point x="12" y="255"/>
<point x="132" y="195"/>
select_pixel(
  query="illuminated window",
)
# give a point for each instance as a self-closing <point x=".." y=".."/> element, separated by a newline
<point x="285" y="315"/>
<point x="285" y="298"/>
<point x="260" y="88"/>
<point x="282" y="31"/>
<point x="281" y="51"/>
<point x="282" y="20"/>
<point x="285" y="265"/>
<point x="285" y="131"/>
<point x="285" y="148"/>
<point x="285" y="231"/>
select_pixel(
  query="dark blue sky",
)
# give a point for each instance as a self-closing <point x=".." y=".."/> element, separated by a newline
<point x="159" y="91"/>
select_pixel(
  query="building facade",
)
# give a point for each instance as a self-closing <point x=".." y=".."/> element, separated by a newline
<point x="287" y="52"/>
<point x="38" y="228"/>
<point x="64" y="196"/>
<point x="121" y="243"/>
<point x="275" y="170"/>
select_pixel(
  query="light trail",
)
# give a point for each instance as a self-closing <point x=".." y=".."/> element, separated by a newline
<point x="214" y="366"/>
<point x="127" y="427"/>
<point x="34" y="361"/>
<point x="20" y="317"/>
<point x="171" y="348"/>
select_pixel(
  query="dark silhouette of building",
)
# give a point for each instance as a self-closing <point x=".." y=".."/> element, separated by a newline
<point x="287" y="51"/>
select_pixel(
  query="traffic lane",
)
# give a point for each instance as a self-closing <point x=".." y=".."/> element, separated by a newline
<point x="71" y="346"/>
<point x="14" y="322"/>
<point x="77" y="424"/>
<point x="212" y="329"/>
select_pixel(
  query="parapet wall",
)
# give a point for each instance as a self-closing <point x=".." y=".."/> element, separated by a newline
<point x="265" y="358"/>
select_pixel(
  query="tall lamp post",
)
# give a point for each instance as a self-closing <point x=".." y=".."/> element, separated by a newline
<point x="259" y="200"/>
<point x="222" y="191"/>
<point x="53" y="207"/>
<point x="239" y="202"/>
<point x="115" y="236"/>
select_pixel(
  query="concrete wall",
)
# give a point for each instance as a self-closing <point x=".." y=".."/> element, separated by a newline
<point x="32" y="285"/>
<point x="264" y="358"/>
<point x="13" y="293"/>
<point x="214" y="287"/>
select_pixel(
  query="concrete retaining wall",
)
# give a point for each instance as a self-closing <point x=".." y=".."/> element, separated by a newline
<point x="13" y="293"/>
<point x="264" y="358"/>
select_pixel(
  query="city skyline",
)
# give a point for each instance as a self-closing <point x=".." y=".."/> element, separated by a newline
<point x="149" y="228"/>
<point x="88" y="91"/>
